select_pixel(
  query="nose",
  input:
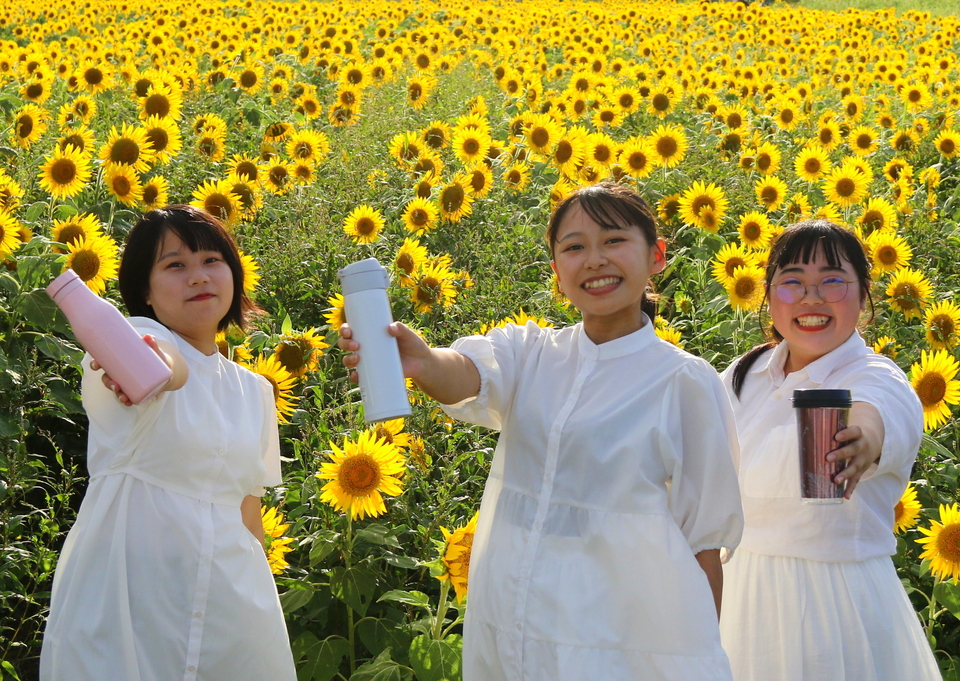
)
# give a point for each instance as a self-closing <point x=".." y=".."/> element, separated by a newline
<point x="812" y="294"/>
<point x="595" y="259"/>
<point x="198" y="275"/>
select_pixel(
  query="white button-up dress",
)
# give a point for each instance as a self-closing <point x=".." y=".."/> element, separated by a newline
<point x="159" y="579"/>
<point x="613" y="469"/>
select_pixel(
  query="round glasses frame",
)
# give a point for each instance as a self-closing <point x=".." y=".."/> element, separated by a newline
<point x="830" y="290"/>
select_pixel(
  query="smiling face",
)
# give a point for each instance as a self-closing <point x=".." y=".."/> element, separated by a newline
<point x="812" y="326"/>
<point x="190" y="291"/>
<point x="604" y="272"/>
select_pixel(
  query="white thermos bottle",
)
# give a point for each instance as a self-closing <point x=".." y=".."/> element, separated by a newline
<point x="367" y="310"/>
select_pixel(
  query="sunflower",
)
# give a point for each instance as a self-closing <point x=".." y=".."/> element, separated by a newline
<point x="65" y="173"/>
<point x="456" y="556"/>
<point x="517" y="176"/>
<point x="480" y="180"/>
<point x="276" y="544"/>
<point x="916" y="97"/>
<point x="163" y="138"/>
<point x="542" y="133"/>
<point x="210" y="144"/>
<point x="636" y="157"/>
<point x="767" y="158"/>
<point x="363" y="225"/>
<point x="278" y="177"/>
<point x="755" y="230"/>
<point x="250" y="78"/>
<point x="275" y="132"/>
<point x="392" y="433"/>
<point x="155" y="193"/>
<point x="728" y="259"/>
<point x="796" y="207"/>
<point x="942" y="544"/>
<point x="432" y="286"/>
<point x="570" y="153"/>
<point x="436" y="135"/>
<point x="123" y="182"/>
<point x="29" y="123"/>
<point x="308" y="145"/>
<point x="74" y="229"/>
<point x="745" y="288"/>
<point x="904" y="140"/>
<point x="428" y="163"/>
<point x="455" y="200"/>
<point x="878" y="214"/>
<point x="897" y="168"/>
<point x="128" y="146"/>
<point x="668" y="208"/>
<point x="420" y="216"/>
<point x="601" y="150"/>
<point x="947" y="143"/>
<point x="410" y="258"/>
<point x="282" y="382"/>
<point x="94" y="259"/>
<point x="698" y="197"/>
<point x="360" y="474"/>
<point x="419" y="88"/>
<point x="470" y="145"/>
<point x="9" y="234"/>
<point x="299" y="353"/>
<point x="250" y="268"/>
<point x="788" y="115"/>
<point x="811" y="163"/>
<point x="828" y="135"/>
<point x="85" y="108"/>
<point x="886" y="346"/>
<point x="666" y="332"/>
<point x="863" y="140"/>
<point x="845" y="187"/>
<point x="943" y="325"/>
<point x="908" y="292"/>
<point x="771" y="192"/>
<point x="907" y="511"/>
<point x="80" y="137"/>
<point x="94" y="76"/>
<point x="669" y="144"/>
<point x="889" y="252"/>
<point x="243" y="165"/>
<point x="163" y="100"/>
<point x="334" y="315"/>
<point x="217" y="198"/>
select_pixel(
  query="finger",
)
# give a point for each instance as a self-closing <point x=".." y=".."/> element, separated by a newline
<point x="351" y="361"/>
<point x="849" y="433"/>
<point x="348" y="345"/>
<point x="395" y="329"/>
<point x="354" y="377"/>
<point x="94" y="366"/>
<point x="848" y="451"/>
<point x="345" y="331"/>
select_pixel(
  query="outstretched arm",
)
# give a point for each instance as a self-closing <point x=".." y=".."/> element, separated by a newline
<point x="171" y="357"/>
<point x="442" y="373"/>
<point x="862" y="443"/>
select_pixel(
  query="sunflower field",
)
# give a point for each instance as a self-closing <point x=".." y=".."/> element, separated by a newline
<point x="436" y="137"/>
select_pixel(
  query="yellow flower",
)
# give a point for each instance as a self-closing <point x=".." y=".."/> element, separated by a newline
<point x="889" y="252"/>
<point x="282" y="382"/>
<point x="863" y="140"/>
<point x="29" y="124"/>
<point x="666" y="332"/>
<point x="432" y="286"/>
<point x="123" y="182"/>
<point x="907" y="510"/>
<point x="771" y="192"/>
<point x="698" y="197"/>
<point x="74" y="229"/>
<point x="406" y="148"/>
<point x="933" y="380"/>
<point x="9" y="234"/>
<point x="363" y="225"/>
<point x="845" y="187"/>
<point x="942" y="321"/>
<point x="65" y="172"/>
<point x="163" y="137"/>
<point x="729" y="259"/>
<point x="94" y="259"/>
<point x="455" y="200"/>
<point x="812" y="163"/>
<point x="128" y="146"/>
<point x="542" y="133"/>
<point x="436" y="135"/>
<point x="299" y="353"/>
<point x="745" y="288"/>
<point x="277" y="545"/>
<point x="670" y="145"/>
<point x="908" y="292"/>
<point x="767" y="158"/>
<point x="216" y="197"/>
<point x="947" y="143"/>
<point x="410" y="258"/>
<point x="942" y="544"/>
<point x="163" y="100"/>
<point x="470" y="145"/>
<point x="418" y="90"/>
<point x="886" y="345"/>
<point x="360" y="474"/>
<point x="278" y="177"/>
<point x="250" y="276"/>
<point x="755" y="230"/>
<point x="878" y="214"/>
<point x="456" y="557"/>
<point x="308" y="145"/>
<point x="155" y="193"/>
<point x="392" y="433"/>
<point x="517" y="176"/>
<point x="637" y="158"/>
<point x="420" y="216"/>
<point x="334" y="315"/>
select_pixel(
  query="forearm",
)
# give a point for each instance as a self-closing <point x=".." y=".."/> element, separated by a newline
<point x="710" y="564"/>
<point x="448" y="377"/>
<point x="250" y="512"/>
<point x="867" y="417"/>
<point x="177" y="364"/>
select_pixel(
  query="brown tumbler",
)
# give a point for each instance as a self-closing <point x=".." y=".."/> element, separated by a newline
<point x="821" y="414"/>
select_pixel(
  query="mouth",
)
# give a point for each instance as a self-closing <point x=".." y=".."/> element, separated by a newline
<point x="202" y="296"/>
<point x="813" y="322"/>
<point x="601" y="284"/>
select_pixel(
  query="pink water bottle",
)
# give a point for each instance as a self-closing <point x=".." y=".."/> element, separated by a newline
<point x="109" y="338"/>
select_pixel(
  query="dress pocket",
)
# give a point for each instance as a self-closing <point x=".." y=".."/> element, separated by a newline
<point x="772" y="469"/>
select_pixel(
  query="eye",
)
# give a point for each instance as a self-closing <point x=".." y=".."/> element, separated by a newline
<point x="790" y="282"/>
<point x="213" y="258"/>
<point x="572" y="247"/>
<point x="174" y="263"/>
<point x="615" y="239"/>
<point x="832" y="280"/>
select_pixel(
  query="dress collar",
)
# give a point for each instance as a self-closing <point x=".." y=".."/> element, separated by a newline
<point x="817" y="371"/>
<point x="195" y="357"/>
<point x="625" y="345"/>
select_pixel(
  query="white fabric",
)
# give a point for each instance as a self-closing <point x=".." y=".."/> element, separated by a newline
<point x="159" y="579"/>
<point x="812" y="593"/>
<point x="612" y="470"/>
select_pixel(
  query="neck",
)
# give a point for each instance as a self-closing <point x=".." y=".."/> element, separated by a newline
<point x="605" y="329"/>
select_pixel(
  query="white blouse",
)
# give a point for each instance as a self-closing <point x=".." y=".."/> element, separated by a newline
<point x="613" y="469"/>
<point x="777" y="522"/>
<point x="159" y="579"/>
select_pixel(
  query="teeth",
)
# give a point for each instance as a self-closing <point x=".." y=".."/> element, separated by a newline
<point x="813" y="320"/>
<point x="600" y="283"/>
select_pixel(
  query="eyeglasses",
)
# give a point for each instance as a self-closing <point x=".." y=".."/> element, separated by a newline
<point x="830" y="290"/>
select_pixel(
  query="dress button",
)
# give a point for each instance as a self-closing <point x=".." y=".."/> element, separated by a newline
<point x="198" y="615"/>
<point x="191" y="668"/>
<point x="220" y="452"/>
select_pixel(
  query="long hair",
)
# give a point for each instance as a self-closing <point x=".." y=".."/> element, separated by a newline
<point x="802" y="242"/>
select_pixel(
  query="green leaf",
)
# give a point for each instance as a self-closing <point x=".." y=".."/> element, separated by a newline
<point x="65" y="396"/>
<point x="38" y="309"/>
<point x="324" y="542"/>
<point x="253" y="116"/>
<point x="59" y="349"/>
<point x="294" y="599"/>
<point x="33" y="272"/>
<point x="414" y="598"/>
<point x="8" y="668"/>
<point x="437" y="660"/>
<point x="928" y="442"/>
<point x="8" y="284"/>
<point x="353" y="586"/>
<point x="405" y="562"/>
<point x="35" y="211"/>
<point x="948" y="595"/>
<point x="322" y="659"/>
<point x="65" y="211"/>
<point x="379" y="635"/>
<point x="381" y="668"/>
<point x="287" y="327"/>
<point x="378" y="534"/>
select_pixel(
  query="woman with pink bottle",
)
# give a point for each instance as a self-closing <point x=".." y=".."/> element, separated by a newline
<point x="163" y="576"/>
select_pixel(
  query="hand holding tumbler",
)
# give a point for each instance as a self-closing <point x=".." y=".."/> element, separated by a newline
<point x="821" y="414"/>
<point x="367" y="309"/>
<point x="110" y="339"/>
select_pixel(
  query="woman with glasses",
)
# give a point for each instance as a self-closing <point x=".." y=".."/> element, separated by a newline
<point x="811" y="593"/>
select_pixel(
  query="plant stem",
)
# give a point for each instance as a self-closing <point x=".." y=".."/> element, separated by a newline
<point x="441" y="609"/>
<point x="348" y="552"/>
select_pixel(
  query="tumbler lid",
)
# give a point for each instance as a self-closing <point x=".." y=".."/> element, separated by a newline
<point x="363" y="275"/>
<point x="830" y="399"/>
<point x="61" y="282"/>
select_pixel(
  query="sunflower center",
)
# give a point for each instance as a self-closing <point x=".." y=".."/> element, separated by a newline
<point x="248" y="169"/>
<point x="826" y="136"/>
<point x="86" y="264"/>
<point x="914" y="96"/>
<point x="898" y="512"/>
<point x="93" y="76"/>
<point x="24" y="126"/>
<point x="564" y="151"/>
<point x="812" y="165"/>
<point x="435" y="138"/>
<point x="931" y="390"/>
<point x="660" y="102"/>
<point x="359" y="475"/>
<point x="905" y="295"/>
<point x="478" y="180"/>
<point x="218" y="205"/>
<point x="70" y="234"/>
<point x="278" y="176"/>
<point x="864" y="141"/>
<point x="248" y="78"/>
<point x="159" y="139"/>
<point x="34" y="90"/>
<point x="416" y="91"/>
<point x="942" y="325"/>
<point x="947" y="146"/>
<point x="752" y="231"/>
<point x="471" y="146"/>
<point x="846" y="187"/>
<point x="452" y="198"/>
<point x="365" y="226"/>
<point x="786" y="116"/>
<point x="601" y="153"/>
<point x="887" y="255"/>
<point x="732" y="264"/>
<point x="354" y="76"/>
<point x="303" y="150"/>
<point x="667" y="147"/>
<point x="150" y="194"/>
<point x="701" y="202"/>
<point x="637" y="160"/>
<point x="125" y="150"/>
<point x="540" y="137"/>
<point x="244" y="191"/>
<point x="142" y="86"/>
<point x="348" y="97"/>
<point x="290" y="355"/>
<point x="948" y="543"/>
<point x="428" y="291"/>
<point x="384" y="434"/>
<point x="157" y="105"/>
<point x="513" y="177"/>
<point x="764" y="161"/>
<point x="745" y="287"/>
<point x="626" y="100"/>
<point x="423" y="190"/>
<point x="63" y="171"/>
<point x="121" y="185"/>
<point x="769" y="195"/>
<point x="74" y="139"/>
<point x="405" y="262"/>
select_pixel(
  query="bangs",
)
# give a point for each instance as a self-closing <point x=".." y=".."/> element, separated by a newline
<point x="802" y="242"/>
<point x="613" y="214"/>
<point x="197" y="235"/>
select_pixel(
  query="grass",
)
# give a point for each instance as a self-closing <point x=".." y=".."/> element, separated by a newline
<point x="934" y="7"/>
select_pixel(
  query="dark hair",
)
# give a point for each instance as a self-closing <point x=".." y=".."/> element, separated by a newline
<point x="612" y="206"/>
<point x="199" y="231"/>
<point x="801" y="242"/>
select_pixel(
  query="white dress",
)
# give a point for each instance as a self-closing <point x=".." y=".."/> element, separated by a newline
<point x="159" y="579"/>
<point x="812" y="594"/>
<point x="612" y="471"/>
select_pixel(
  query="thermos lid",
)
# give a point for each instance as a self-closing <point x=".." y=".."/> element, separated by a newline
<point x="830" y="399"/>
<point x="61" y="282"/>
<point x="363" y="275"/>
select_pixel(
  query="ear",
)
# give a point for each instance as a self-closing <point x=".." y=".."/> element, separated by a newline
<point x="553" y="266"/>
<point x="659" y="253"/>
